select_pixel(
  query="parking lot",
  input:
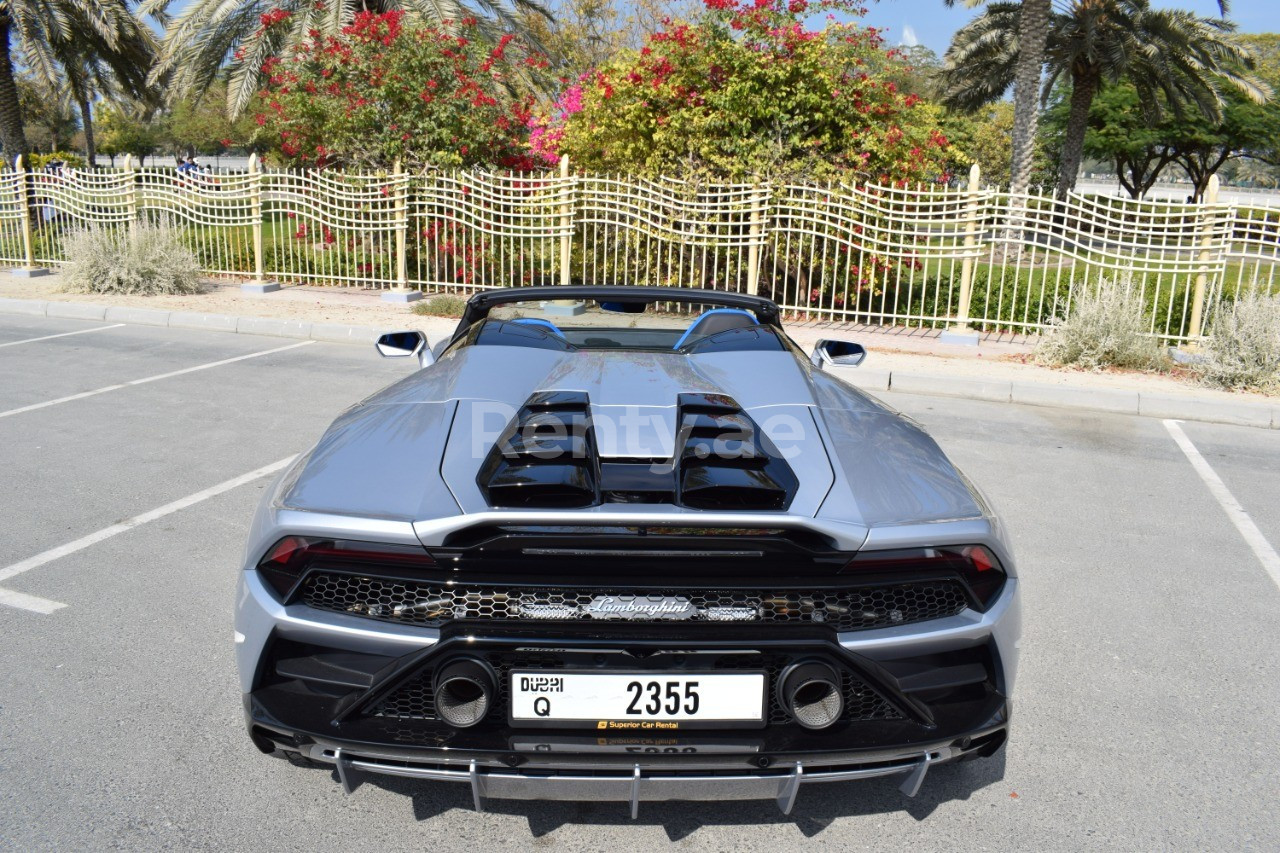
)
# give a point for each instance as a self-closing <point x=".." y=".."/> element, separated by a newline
<point x="1145" y="716"/>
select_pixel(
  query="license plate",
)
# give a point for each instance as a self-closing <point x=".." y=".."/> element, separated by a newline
<point x="637" y="701"/>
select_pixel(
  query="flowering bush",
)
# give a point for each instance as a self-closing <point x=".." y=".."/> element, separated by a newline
<point x="749" y="90"/>
<point x="384" y="91"/>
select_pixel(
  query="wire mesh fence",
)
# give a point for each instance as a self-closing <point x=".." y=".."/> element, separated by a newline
<point x="924" y="256"/>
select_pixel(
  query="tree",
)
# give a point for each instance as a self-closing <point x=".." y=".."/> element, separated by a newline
<point x="49" y="119"/>
<point x="198" y="42"/>
<point x="381" y="92"/>
<point x="1170" y="56"/>
<point x="584" y="34"/>
<point x="91" y="71"/>
<point x="198" y="124"/>
<point x="128" y="128"/>
<point x="1201" y="146"/>
<point x="1033" y="33"/>
<point x="1256" y="173"/>
<point x="985" y="136"/>
<point x="1122" y="134"/>
<point x="748" y="91"/>
<point x="913" y="70"/>
<point x="79" y="43"/>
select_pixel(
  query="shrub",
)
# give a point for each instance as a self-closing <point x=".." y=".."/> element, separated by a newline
<point x="37" y="161"/>
<point x="1244" y="350"/>
<point x="1105" y="328"/>
<point x="144" y="258"/>
<point x="749" y="90"/>
<point x="385" y="89"/>
<point x="441" y="305"/>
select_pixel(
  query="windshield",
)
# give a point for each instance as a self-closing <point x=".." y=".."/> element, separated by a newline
<point x="600" y="324"/>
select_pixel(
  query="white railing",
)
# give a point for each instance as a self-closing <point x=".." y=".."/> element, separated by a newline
<point x="923" y="256"/>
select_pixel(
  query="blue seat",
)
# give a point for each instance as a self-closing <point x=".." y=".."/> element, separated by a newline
<point x="717" y="320"/>
<point x="538" y="321"/>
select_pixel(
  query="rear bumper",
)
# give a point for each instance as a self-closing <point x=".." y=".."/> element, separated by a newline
<point x="634" y="780"/>
<point x="331" y="724"/>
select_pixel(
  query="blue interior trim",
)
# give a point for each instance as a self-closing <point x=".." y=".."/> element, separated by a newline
<point x="705" y="314"/>
<point x="538" y="321"/>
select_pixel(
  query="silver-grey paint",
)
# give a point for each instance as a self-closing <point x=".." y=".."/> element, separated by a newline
<point x="401" y="466"/>
<point x="383" y="457"/>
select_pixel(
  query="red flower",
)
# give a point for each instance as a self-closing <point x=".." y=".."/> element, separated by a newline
<point x="273" y="16"/>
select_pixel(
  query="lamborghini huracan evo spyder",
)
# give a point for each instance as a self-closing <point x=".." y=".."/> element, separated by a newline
<point x="626" y="543"/>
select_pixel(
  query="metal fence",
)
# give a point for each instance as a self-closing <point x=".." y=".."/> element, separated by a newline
<point x="918" y="256"/>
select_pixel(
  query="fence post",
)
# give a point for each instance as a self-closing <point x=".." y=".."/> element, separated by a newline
<point x="131" y="195"/>
<point x="565" y="307"/>
<point x="259" y="284"/>
<point x="1210" y="201"/>
<point x="753" y="248"/>
<point x="22" y="186"/>
<point x="400" y="194"/>
<point x="959" y="331"/>
<point x="566" y="220"/>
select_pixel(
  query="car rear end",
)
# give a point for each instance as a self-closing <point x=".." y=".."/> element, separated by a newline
<point x="732" y="660"/>
<point x="663" y="557"/>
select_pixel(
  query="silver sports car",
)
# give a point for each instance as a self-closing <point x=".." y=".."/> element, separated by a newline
<point x="626" y="543"/>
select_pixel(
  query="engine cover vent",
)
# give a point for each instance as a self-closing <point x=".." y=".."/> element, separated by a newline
<point x="725" y="461"/>
<point x="547" y="458"/>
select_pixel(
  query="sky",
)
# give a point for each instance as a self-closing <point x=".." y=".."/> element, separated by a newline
<point x="931" y="23"/>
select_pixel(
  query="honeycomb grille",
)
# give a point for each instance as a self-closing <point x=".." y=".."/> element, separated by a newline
<point x="414" y="700"/>
<point x="432" y="604"/>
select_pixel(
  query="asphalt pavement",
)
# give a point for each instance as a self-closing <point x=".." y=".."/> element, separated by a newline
<point x="1145" y="716"/>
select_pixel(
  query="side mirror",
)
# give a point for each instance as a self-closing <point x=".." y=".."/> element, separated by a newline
<point x="837" y="354"/>
<point x="403" y="345"/>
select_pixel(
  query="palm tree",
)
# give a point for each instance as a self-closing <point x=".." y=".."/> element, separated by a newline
<point x="93" y="69"/>
<point x="1033" y="32"/>
<point x="86" y="45"/>
<point x="1256" y="172"/>
<point x="199" y="41"/>
<point x="1169" y="54"/>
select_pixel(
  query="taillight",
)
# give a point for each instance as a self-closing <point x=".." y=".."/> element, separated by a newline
<point x="974" y="564"/>
<point x="289" y="559"/>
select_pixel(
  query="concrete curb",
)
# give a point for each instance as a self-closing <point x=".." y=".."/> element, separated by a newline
<point x="197" y="320"/>
<point x="25" y="306"/>
<point x="329" y="332"/>
<point x="1109" y="400"/>
<point x="75" y="310"/>
<point x="139" y="316"/>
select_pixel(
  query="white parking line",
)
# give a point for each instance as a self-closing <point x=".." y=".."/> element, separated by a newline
<point x="34" y="603"/>
<point x="1239" y="516"/>
<point x="13" y="599"/>
<point x="147" y="379"/>
<point x="62" y="335"/>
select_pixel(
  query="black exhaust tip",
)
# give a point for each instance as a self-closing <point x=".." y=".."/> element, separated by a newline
<point x="464" y="691"/>
<point x="811" y="694"/>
